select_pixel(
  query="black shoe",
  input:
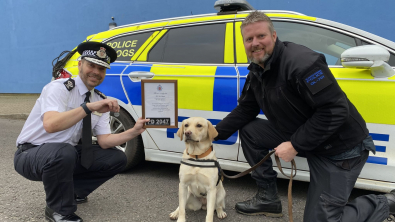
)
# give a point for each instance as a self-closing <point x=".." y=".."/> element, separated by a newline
<point x="391" y="202"/>
<point x="52" y="216"/>
<point x="265" y="202"/>
<point x="80" y="200"/>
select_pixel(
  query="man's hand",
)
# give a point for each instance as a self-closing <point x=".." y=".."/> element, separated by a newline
<point x="140" y="124"/>
<point x="111" y="140"/>
<point x="286" y="151"/>
<point x="104" y="106"/>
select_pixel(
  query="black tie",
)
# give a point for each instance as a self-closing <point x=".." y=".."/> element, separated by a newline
<point x="87" y="151"/>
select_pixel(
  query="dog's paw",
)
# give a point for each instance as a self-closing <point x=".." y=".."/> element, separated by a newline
<point x="174" y="215"/>
<point x="221" y="214"/>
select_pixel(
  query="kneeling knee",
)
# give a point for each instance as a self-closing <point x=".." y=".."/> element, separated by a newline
<point x="67" y="154"/>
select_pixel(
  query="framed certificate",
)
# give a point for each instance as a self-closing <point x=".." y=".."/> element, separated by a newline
<point x="159" y="103"/>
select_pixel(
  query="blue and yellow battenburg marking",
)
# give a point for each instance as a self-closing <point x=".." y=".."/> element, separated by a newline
<point x="213" y="88"/>
<point x="221" y="90"/>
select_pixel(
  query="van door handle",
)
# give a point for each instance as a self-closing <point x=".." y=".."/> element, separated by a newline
<point x="137" y="76"/>
<point x="141" y="74"/>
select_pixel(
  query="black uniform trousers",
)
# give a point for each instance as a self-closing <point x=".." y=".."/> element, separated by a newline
<point x="331" y="181"/>
<point x="58" y="166"/>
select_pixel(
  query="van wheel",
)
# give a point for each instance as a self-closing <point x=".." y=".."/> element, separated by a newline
<point x="134" y="148"/>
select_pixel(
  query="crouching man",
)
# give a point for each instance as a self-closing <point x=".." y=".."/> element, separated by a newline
<point x="316" y="121"/>
<point x="55" y="145"/>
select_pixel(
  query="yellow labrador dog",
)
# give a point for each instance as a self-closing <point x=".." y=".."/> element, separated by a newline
<point x="200" y="186"/>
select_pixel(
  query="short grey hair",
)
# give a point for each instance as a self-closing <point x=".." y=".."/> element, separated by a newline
<point x="257" y="16"/>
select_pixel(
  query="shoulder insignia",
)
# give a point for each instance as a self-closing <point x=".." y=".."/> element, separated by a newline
<point x="70" y="84"/>
<point x="100" y="94"/>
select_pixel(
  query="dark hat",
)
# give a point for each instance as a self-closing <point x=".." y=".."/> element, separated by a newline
<point x="98" y="53"/>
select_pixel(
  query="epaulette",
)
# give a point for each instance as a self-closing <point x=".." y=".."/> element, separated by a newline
<point x="100" y="94"/>
<point x="70" y="84"/>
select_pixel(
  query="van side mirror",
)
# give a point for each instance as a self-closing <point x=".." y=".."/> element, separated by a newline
<point x="371" y="57"/>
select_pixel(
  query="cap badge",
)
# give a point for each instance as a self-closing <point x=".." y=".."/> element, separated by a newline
<point x="101" y="53"/>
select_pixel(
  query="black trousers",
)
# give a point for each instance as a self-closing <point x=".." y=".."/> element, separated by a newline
<point x="58" y="166"/>
<point x="331" y="181"/>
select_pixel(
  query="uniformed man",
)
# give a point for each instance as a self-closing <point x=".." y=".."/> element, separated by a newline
<point x="55" y="145"/>
<point x="308" y="115"/>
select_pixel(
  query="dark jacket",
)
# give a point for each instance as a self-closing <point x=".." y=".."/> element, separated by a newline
<point x="300" y="97"/>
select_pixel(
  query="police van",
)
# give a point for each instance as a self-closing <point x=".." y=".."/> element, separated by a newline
<point x="205" y="54"/>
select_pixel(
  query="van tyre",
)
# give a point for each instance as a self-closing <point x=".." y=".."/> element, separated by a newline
<point x="134" y="148"/>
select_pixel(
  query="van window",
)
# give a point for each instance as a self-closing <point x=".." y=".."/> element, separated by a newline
<point x="330" y="43"/>
<point x="391" y="61"/>
<point x="194" y="44"/>
<point x="127" y="46"/>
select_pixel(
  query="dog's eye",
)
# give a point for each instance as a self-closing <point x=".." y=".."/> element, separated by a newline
<point x="186" y="125"/>
<point x="198" y="125"/>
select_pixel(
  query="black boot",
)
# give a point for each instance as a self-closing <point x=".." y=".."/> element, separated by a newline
<point x="391" y="202"/>
<point x="52" y="216"/>
<point x="265" y="202"/>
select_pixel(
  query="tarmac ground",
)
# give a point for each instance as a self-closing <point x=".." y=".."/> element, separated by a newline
<point x="16" y="106"/>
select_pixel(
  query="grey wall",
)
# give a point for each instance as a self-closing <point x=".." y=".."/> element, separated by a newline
<point x="34" y="32"/>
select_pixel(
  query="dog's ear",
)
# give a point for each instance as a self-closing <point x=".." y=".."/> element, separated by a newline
<point x="212" y="132"/>
<point x="180" y="132"/>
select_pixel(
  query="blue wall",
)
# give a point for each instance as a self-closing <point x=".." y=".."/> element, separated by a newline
<point x="34" y="32"/>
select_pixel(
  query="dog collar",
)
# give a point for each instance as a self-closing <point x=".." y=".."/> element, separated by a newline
<point x="203" y="154"/>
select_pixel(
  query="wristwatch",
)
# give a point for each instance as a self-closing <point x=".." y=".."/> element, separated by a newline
<point x="87" y="110"/>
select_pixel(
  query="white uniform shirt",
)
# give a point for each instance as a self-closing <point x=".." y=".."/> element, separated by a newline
<point x="56" y="97"/>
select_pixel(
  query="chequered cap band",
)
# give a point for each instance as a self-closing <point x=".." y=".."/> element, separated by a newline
<point x="97" y="61"/>
<point x="93" y="54"/>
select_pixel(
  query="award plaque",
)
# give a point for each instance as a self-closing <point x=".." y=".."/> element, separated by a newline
<point x="159" y="103"/>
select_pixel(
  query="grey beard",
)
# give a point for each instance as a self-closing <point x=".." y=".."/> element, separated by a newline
<point x="261" y="60"/>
